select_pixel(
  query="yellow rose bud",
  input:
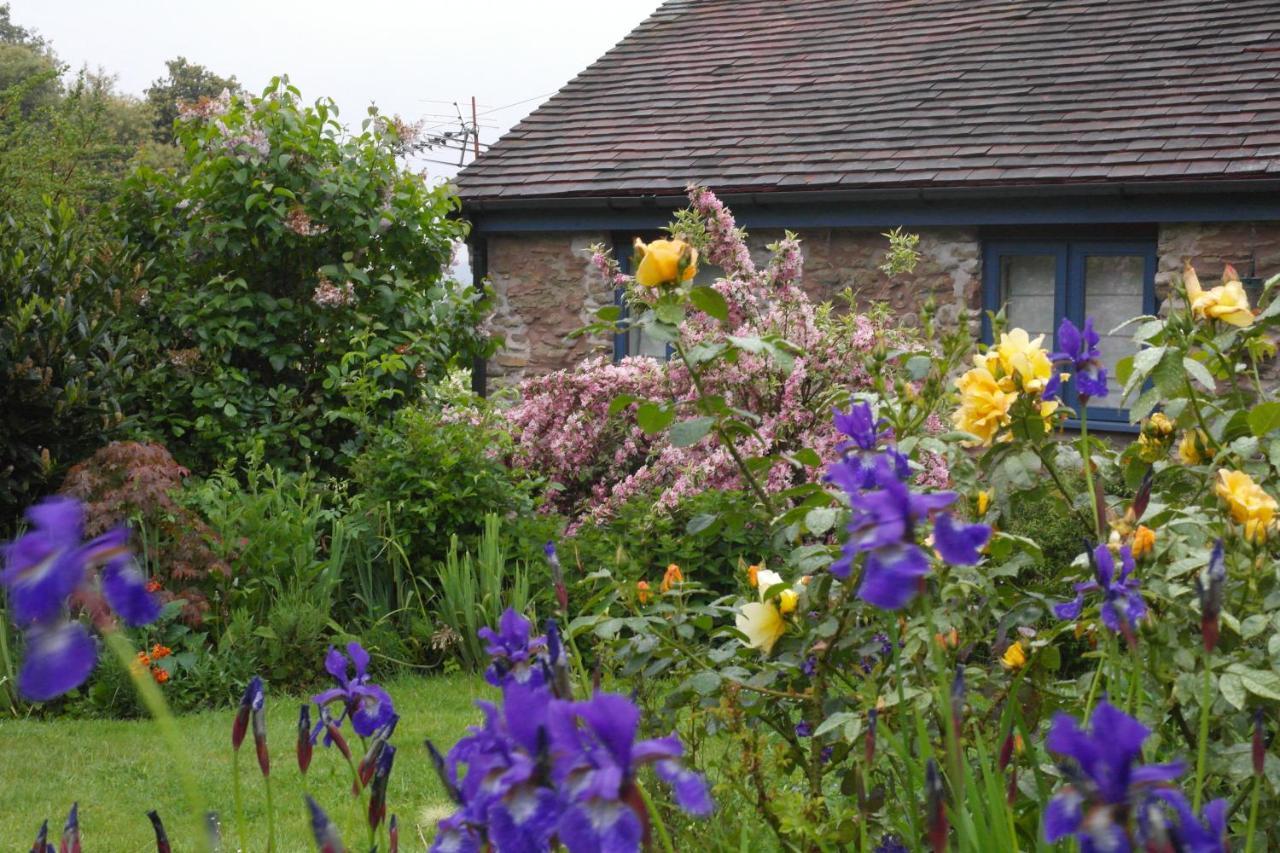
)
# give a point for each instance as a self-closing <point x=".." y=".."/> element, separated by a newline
<point x="665" y="262"/>
<point x="984" y="502"/>
<point x="1191" y="281"/>
<point x="1248" y="503"/>
<point x="787" y="601"/>
<point x="1159" y="425"/>
<point x="753" y="576"/>
<point x="1014" y="657"/>
<point x="1144" y="541"/>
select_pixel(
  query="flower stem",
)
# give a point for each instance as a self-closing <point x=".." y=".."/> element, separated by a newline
<point x="236" y="799"/>
<point x="655" y="818"/>
<point x="271" y="817"/>
<point x="1093" y="690"/>
<point x="1088" y="470"/>
<point x="1202" y="747"/>
<point x="1253" y="814"/>
<point x="154" y="700"/>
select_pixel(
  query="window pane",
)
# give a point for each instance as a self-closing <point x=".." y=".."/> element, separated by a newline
<point x="638" y="343"/>
<point x="1112" y="294"/>
<point x="1027" y="288"/>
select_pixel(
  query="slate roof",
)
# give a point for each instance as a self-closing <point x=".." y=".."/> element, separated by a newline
<point x="795" y="95"/>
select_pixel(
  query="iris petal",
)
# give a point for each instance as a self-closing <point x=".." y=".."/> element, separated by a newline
<point x="59" y="658"/>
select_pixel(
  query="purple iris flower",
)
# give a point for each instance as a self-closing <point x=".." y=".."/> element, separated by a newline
<point x="1106" y="782"/>
<point x="514" y="654"/>
<point x="367" y="704"/>
<point x="42" y="570"/>
<point x="883" y="526"/>
<point x="596" y="757"/>
<point x="1080" y="350"/>
<point x="1166" y="821"/>
<point x="541" y="767"/>
<point x="861" y="426"/>
<point x="1122" y="603"/>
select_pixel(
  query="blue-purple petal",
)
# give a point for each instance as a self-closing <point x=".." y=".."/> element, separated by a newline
<point x="959" y="544"/>
<point x="125" y="589"/>
<point x="58" y="659"/>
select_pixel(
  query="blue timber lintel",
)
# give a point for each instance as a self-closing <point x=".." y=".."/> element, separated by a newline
<point x="758" y="211"/>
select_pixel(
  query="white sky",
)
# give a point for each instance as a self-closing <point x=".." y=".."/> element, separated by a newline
<point x="411" y="58"/>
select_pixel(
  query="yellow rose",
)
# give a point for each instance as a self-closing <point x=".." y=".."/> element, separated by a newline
<point x="1144" y="540"/>
<point x="1226" y="302"/>
<point x="1249" y="504"/>
<point x="1024" y="357"/>
<point x="1193" y="447"/>
<point x="662" y="262"/>
<point x="787" y="601"/>
<point x="1014" y="657"/>
<point x="1159" y="425"/>
<point x="984" y="407"/>
<point x="984" y="501"/>
<point x="762" y="621"/>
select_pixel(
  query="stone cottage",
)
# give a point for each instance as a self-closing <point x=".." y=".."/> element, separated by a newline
<point x="1058" y="157"/>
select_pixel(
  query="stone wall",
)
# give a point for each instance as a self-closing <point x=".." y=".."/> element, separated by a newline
<point x="1252" y="247"/>
<point x="545" y="286"/>
<point x="544" y="289"/>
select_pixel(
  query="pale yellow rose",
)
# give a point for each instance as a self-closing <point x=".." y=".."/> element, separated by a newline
<point x="1248" y="503"/>
<point x="661" y="262"/>
<point x="984" y="406"/>
<point x="1226" y="302"/>
<point x="1193" y="446"/>
<point x="1191" y="281"/>
<point x="1023" y="356"/>
<point x="787" y="601"/>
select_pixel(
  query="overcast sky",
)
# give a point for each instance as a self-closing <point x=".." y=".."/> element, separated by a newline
<point x="411" y="57"/>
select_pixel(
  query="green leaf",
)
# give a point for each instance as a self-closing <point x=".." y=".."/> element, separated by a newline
<point x="620" y="402"/>
<point x="1231" y="687"/>
<point x="1264" y="417"/>
<point x="654" y="418"/>
<point x="919" y="366"/>
<point x="670" y="313"/>
<point x="1261" y="682"/>
<point x="1199" y="372"/>
<point x="699" y="523"/>
<point x="689" y="432"/>
<point x="820" y="520"/>
<point x="709" y="301"/>
<point x="835" y="721"/>
<point x="705" y="682"/>
<point x="609" y="313"/>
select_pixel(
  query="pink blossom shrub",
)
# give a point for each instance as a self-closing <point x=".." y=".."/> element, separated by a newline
<point x="596" y="456"/>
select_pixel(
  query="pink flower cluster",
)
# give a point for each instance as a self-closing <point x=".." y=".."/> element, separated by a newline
<point x="597" y="460"/>
<point x="329" y="295"/>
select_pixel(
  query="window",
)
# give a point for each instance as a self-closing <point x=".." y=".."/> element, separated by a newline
<point x="1040" y="283"/>
<point x="633" y="342"/>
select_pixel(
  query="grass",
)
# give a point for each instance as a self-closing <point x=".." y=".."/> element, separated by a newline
<point x="118" y="770"/>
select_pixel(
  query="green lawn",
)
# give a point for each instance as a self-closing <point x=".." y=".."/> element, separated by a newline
<point x="118" y="770"/>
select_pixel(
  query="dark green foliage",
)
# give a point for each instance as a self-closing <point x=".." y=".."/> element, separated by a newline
<point x="639" y="543"/>
<point x="63" y="361"/>
<point x="298" y="291"/>
<point x="436" y="474"/>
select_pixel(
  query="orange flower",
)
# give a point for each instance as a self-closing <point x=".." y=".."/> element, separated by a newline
<point x="1144" y="540"/>
<point x="159" y="652"/>
<point x="642" y="591"/>
<point x="753" y="576"/>
<point x="153" y="585"/>
<point x="159" y="675"/>
<point x="672" y="577"/>
<point x="947" y="639"/>
<point x="144" y="659"/>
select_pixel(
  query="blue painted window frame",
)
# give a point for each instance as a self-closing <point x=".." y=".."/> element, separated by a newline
<point x="1071" y="257"/>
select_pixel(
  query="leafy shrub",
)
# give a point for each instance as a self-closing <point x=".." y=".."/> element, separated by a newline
<point x="435" y="473"/>
<point x="474" y="591"/>
<point x="299" y="285"/>
<point x="63" y="362"/>
<point x="141" y="484"/>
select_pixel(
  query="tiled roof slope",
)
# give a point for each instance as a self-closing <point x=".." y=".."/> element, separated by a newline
<point x="793" y="95"/>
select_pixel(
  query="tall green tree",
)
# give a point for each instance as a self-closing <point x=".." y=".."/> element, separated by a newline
<point x="300" y="285"/>
<point x="185" y="83"/>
